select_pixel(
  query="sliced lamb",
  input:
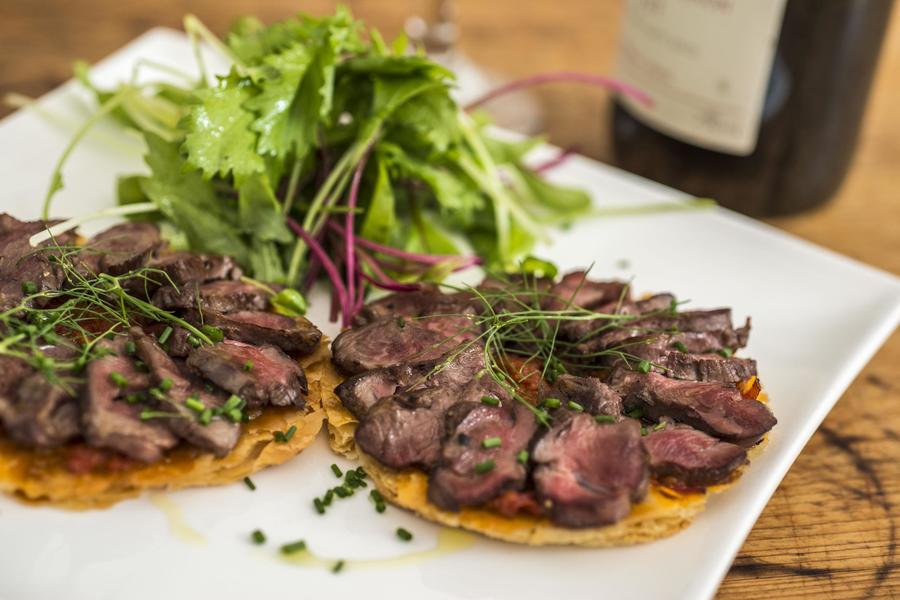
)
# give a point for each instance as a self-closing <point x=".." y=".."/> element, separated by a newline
<point x="405" y="430"/>
<point x="122" y="248"/>
<point x="714" y="408"/>
<point x="715" y="322"/>
<point x="22" y="266"/>
<point x="683" y="457"/>
<point x="181" y="268"/>
<point x="219" y="435"/>
<point x="655" y="303"/>
<point x="362" y="391"/>
<point x="291" y="334"/>
<point x="589" y="474"/>
<point x="575" y="289"/>
<point x="115" y="424"/>
<point x="40" y="414"/>
<point x="219" y="296"/>
<point x="385" y="343"/>
<point x="480" y="457"/>
<point x="261" y="375"/>
<point x="677" y="364"/>
<point x="588" y="393"/>
<point x="420" y="303"/>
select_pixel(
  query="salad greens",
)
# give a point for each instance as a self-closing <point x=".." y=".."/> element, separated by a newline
<point x="321" y="136"/>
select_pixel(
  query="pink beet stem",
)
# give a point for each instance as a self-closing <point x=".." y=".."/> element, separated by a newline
<point x="587" y="78"/>
<point x="427" y="259"/>
<point x="327" y="264"/>
<point x="348" y="237"/>
<point x="560" y="158"/>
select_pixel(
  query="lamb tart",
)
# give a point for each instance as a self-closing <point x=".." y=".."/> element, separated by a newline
<point x="43" y="477"/>
<point x="662" y="513"/>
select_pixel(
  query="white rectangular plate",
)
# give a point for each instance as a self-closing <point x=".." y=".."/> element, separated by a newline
<point x="818" y="318"/>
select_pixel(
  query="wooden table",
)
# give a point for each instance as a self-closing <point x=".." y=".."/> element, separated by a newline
<point x="831" y="529"/>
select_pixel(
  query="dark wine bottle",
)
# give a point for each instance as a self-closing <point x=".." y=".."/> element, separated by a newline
<point x="756" y="103"/>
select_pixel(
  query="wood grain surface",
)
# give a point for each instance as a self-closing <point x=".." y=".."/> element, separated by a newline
<point x="830" y="531"/>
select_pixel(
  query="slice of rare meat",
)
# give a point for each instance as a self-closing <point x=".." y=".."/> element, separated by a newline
<point x="40" y="414"/>
<point x="678" y="364"/>
<point x="122" y="248"/>
<point x="385" y="343"/>
<point x="224" y="296"/>
<point x="480" y="456"/>
<point x="219" y="435"/>
<point x="261" y="375"/>
<point x="575" y="289"/>
<point x="291" y="334"/>
<point x="589" y="474"/>
<point x="714" y="408"/>
<point x="587" y="394"/>
<point x="360" y="392"/>
<point x="683" y="457"/>
<point x="110" y="422"/>
<point x="428" y="301"/>
<point x="406" y="429"/>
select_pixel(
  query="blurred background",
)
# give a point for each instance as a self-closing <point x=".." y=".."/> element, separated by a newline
<point x="820" y="536"/>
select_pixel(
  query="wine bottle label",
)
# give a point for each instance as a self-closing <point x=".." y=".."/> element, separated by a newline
<point x="704" y="63"/>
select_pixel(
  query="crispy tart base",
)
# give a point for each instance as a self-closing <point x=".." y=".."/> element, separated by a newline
<point x="662" y="513"/>
<point x="42" y="477"/>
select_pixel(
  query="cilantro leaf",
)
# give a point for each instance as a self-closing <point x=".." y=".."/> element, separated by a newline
<point x="219" y="140"/>
<point x="189" y="201"/>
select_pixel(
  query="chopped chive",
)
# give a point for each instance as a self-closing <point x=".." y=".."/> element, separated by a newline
<point x="679" y="345"/>
<point x="361" y="472"/>
<point x="140" y="365"/>
<point x="29" y="287"/>
<point x="644" y="366"/>
<point x="164" y="336"/>
<point x="605" y="419"/>
<point x="342" y="491"/>
<point x="658" y="426"/>
<point x="320" y="506"/>
<point x="213" y="333"/>
<point x="234" y="401"/>
<point x="404" y="535"/>
<point x="522" y="457"/>
<point x="336" y="470"/>
<point x="552" y="403"/>
<point x="130" y="348"/>
<point x="490" y="401"/>
<point x="338" y="567"/>
<point x="235" y="415"/>
<point x="635" y="413"/>
<point x="401" y="322"/>
<point x="258" y="537"/>
<point x="726" y="352"/>
<point x="165" y="385"/>
<point x="118" y="379"/>
<point x="158" y="394"/>
<point x="293" y="547"/>
<point x="206" y="416"/>
<point x="329" y="496"/>
<point x="146" y="415"/>
<point x="492" y="442"/>
<point x="572" y="405"/>
<point x="485" y="467"/>
<point x="194" y="341"/>
<point x="249" y="483"/>
<point x="248" y="366"/>
<point x="133" y="398"/>
<point x="378" y="499"/>
<point x="194" y="403"/>
<point x="643" y="430"/>
<point x="284" y="437"/>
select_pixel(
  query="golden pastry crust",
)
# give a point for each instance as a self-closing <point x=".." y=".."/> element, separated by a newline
<point x="41" y="476"/>
<point x="662" y="513"/>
